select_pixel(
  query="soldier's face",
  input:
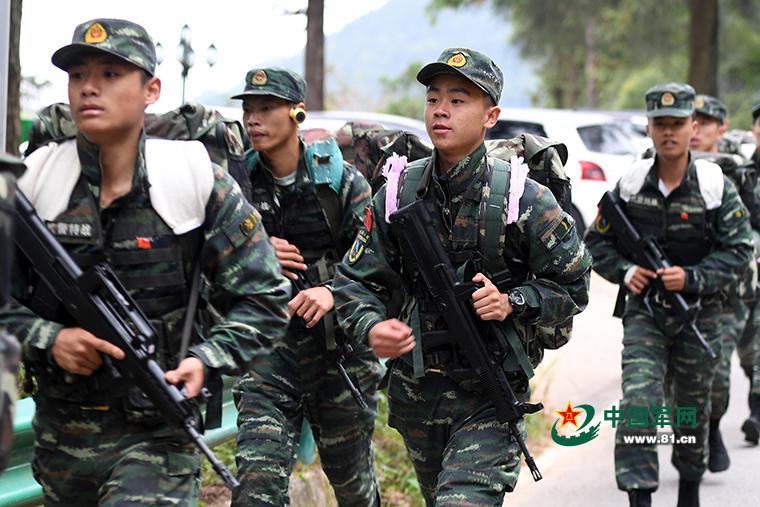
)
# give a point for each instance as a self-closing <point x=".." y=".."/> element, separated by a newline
<point x="457" y="115"/>
<point x="709" y="130"/>
<point x="108" y="97"/>
<point x="671" y="135"/>
<point x="268" y="122"/>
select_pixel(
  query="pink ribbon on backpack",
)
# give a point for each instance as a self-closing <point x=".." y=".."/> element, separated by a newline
<point x="518" y="174"/>
<point x="392" y="170"/>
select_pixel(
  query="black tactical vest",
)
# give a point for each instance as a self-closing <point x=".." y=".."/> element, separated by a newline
<point x="681" y="223"/>
<point x="149" y="259"/>
<point x="295" y="215"/>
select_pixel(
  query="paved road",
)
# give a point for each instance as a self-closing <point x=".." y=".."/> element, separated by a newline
<point x="587" y="370"/>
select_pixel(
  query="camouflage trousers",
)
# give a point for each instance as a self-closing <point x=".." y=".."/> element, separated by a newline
<point x="461" y="454"/>
<point x="657" y="351"/>
<point x="296" y="381"/>
<point x="755" y="388"/>
<point x="94" y="456"/>
<point x="739" y="333"/>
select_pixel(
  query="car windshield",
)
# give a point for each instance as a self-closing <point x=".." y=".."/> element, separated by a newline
<point x="507" y="129"/>
<point x="606" y="138"/>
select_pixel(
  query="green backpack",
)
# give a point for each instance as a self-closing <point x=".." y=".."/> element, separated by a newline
<point x="225" y="140"/>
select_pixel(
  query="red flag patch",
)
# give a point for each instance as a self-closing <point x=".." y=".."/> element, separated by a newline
<point x="144" y="243"/>
<point x="368" y="219"/>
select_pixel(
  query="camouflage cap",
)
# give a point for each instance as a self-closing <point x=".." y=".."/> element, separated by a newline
<point x="471" y="65"/>
<point x="125" y="39"/>
<point x="275" y="81"/>
<point x="755" y="111"/>
<point x="709" y="105"/>
<point x="672" y="99"/>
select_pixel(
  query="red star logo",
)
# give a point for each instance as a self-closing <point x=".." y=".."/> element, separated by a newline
<point x="569" y="415"/>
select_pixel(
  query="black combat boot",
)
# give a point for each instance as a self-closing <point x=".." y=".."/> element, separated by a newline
<point x="688" y="493"/>
<point x="751" y="426"/>
<point x="640" y="498"/>
<point x="719" y="460"/>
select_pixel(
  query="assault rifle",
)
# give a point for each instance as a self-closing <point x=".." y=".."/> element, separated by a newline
<point x="338" y="354"/>
<point x="646" y="252"/>
<point x="99" y="303"/>
<point x="414" y="225"/>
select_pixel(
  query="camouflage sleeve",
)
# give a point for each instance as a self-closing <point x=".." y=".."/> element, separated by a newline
<point x="367" y="287"/>
<point x="732" y="250"/>
<point x="601" y="242"/>
<point x="35" y="334"/>
<point x="243" y="272"/>
<point x="355" y="196"/>
<point x="556" y="256"/>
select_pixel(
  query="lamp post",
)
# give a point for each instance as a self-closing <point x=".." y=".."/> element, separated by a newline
<point x="185" y="55"/>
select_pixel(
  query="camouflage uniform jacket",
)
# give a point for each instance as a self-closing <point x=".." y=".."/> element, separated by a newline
<point x="712" y="243"/>
<point x="236" y="259"/>
<point x="547" y="259"/>
<point x="295" y="213"/>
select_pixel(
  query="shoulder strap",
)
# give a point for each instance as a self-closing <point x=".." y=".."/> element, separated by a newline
<point x="51" y="174"/>
<point x="325" y="164"/>
<point x="330" y="204"/>
<point x="499" y="187"/>
<point x="412" y="176"/>
<point x="710" y="178"/>
<point x="180" y="200"/>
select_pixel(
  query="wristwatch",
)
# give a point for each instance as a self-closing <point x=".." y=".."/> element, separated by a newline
<point x="517" y="300"/>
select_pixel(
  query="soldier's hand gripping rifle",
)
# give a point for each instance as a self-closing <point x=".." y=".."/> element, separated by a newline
<point x="414" y="226"/>
<point x="646" y="252"/>
<point x="337" y="354"/>
<point x="98" y="302"/>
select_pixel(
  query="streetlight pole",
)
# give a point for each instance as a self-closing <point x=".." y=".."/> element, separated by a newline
<point x="185" y="55"/>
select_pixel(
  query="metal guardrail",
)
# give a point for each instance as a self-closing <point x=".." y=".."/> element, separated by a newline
<point x="17" y="485"/>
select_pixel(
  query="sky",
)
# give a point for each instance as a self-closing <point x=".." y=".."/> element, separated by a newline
<point x="245" y="33"/>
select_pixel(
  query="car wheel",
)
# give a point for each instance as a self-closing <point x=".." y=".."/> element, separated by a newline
<point x="580" y="226"/>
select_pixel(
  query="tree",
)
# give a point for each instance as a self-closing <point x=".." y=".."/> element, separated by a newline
<point x="703" y="46"/>
<point x="315" y="55"/>
<point x="13" y="116"/>
<point x="591" y="50"/>
<point x="403" y="92"/>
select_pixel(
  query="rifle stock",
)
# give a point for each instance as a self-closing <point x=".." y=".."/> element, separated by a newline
<point x="414" y="225"/>
<point x="99" y="303"/>
<point x="646" y="252"/>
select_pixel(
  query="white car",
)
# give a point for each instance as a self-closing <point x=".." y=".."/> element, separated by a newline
<point x="599" y="152"/>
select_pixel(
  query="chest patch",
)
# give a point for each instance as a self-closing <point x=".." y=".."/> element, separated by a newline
<point x="70" y="230"/>
<point x="645" y="201"/>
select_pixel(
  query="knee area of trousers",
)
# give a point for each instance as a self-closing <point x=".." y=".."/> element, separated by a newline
<point x="462" y="483"/>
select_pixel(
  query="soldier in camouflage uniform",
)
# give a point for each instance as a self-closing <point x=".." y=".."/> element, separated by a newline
<point x="10" y="169"/>
<point x="462" y="454"/>
<point x="696" y="214"/>
<point x="751" y="426"/>
<point x="312" y="204"/>
<point x="154" y="209"/>
<point x="739" y="313"/>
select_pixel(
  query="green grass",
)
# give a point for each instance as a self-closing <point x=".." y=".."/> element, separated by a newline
<point x="398" y="483"/>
